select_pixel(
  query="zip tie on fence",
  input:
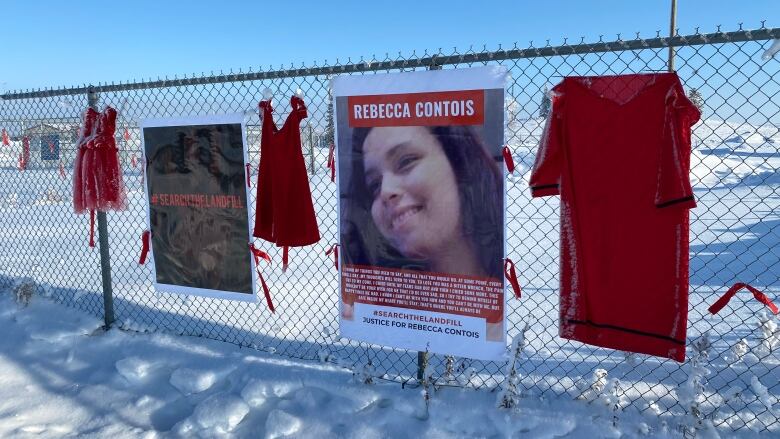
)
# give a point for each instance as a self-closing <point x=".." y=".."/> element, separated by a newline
<point x="62" y="170"/>
<point x="332" y="162"/>
<point x="144" y="246"/>
<point x="248" y="175"/>
<point x="259" y="254"/>
<point x="510" y="163"/>
<point x="335" y="250"/>
<point x="511" y="276"/>
<point x="761" y="297"/>
<point x="91" y="228"/>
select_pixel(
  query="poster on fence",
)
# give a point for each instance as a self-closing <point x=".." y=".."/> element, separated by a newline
<point x="195" y="178"/>
<point x="421" y="214"/>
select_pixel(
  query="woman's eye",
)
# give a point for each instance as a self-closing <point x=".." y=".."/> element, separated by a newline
<point x="406" y="162"/>
<point x="373" y="188"/>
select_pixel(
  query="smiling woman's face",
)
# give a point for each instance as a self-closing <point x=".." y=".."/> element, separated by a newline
<point x="415" y="203"/>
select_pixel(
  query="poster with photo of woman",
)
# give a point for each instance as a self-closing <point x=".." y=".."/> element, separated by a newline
<point x="421" y="209"/>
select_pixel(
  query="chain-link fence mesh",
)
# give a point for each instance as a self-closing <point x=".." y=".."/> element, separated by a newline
<point x="735" y="230"/>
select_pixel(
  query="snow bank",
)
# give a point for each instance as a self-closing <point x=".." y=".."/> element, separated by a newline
<point x="189" y="381"/>
<point x="217" y="415"/>
<point x="280" y="424"/>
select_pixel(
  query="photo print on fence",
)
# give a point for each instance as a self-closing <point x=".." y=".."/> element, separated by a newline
<point x="421" y="209"/>
<point x="197" y="200"/>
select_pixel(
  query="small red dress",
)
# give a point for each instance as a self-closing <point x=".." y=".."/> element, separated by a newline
<point x="264" y="212"/>
<point x="109" y="188"/>
<point x="285" y="212"/>
<point x="88" y="126"/>
<point x="97" y="176"/>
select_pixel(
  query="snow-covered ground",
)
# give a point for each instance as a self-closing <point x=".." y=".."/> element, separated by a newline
<point x="61" y="375"/>
<point x="735" y="233"/>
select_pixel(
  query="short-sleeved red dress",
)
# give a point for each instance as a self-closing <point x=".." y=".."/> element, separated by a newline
<point x="617" y="150"/>
<point x="285" y="212"/>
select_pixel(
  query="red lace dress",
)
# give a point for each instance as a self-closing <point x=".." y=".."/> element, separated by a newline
<point x="109" y="189"/>
<point x="97" y="176"/>
<point x="86" y="134"/>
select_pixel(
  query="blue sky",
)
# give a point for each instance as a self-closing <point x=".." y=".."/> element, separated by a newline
<point x="64" y="43"/>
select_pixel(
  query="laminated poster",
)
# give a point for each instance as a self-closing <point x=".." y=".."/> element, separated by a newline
<point x="421" y="210"/>
<point x="198" y="217"/>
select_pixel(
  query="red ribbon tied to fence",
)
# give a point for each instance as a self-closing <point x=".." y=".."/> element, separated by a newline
<point x="511" y="276"/>
<point x="510" y="163"/>
<point x="5" y="138"/>
<point x="758" y="295"/>
<point x="145" y="236"/>
<point x="332" y="162"/>
<point x="258" y="255"/>
<point x="91" y="228"/>
<point x="335" y="250"/>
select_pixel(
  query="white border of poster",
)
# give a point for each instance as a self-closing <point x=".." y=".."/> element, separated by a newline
<point x="412" y="327"/>
<point x="236" y="118"/>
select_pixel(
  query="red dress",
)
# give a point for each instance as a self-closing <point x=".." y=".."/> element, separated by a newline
<point x="285" y="212"/>
<point x="264" y="212"/>
<point x="109" y="187"/>
<point x="88" y="126"/>
<point x="617" y="150"/>
<point x="97" y="177"/>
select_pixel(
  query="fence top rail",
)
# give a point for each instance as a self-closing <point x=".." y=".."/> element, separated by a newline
<point x="427" y="61"/>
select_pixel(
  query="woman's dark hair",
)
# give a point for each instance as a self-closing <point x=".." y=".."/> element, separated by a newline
<point x="479" y="186"/>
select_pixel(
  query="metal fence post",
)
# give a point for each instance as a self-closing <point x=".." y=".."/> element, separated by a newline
<point x="672" y="25"/>
<point x="422" y="357"/>
<point x="311" y="150"/>
<point x="105" y="258"/>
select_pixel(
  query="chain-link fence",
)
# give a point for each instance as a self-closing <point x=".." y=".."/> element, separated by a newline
<point x="735" y="230"/>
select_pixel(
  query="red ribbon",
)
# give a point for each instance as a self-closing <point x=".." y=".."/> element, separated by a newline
<point x="91" y="228"/>
<point x="144" y="246"/>
<point x="511" y="276"/>
<point x="22" y="164"/>
<point x="126" y="134"/>
<point x="258" y="255"/>
<point x="248" y="175"/>
<point x="332" y="162"/>
<point x="285" y="257"/>
<point x="62" y="170"/>
<point x="133" y="161"/>
<point x="510" y="163"/>
<point x="758" y="295"/>
<point x="335" y="250"/>
<point x="5" y="138"/>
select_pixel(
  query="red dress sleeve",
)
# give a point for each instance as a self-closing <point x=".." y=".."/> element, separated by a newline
<point x="674" y="185"/>
<point x="546" y="175"/>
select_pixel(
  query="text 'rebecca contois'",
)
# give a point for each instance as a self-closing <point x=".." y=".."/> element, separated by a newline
<point x="465" y="107"/>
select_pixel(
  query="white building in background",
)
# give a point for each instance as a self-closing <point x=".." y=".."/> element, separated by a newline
<point x="50" y="143"/>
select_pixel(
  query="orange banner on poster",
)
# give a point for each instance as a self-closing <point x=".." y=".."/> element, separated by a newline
<point x="464" y="107"/>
